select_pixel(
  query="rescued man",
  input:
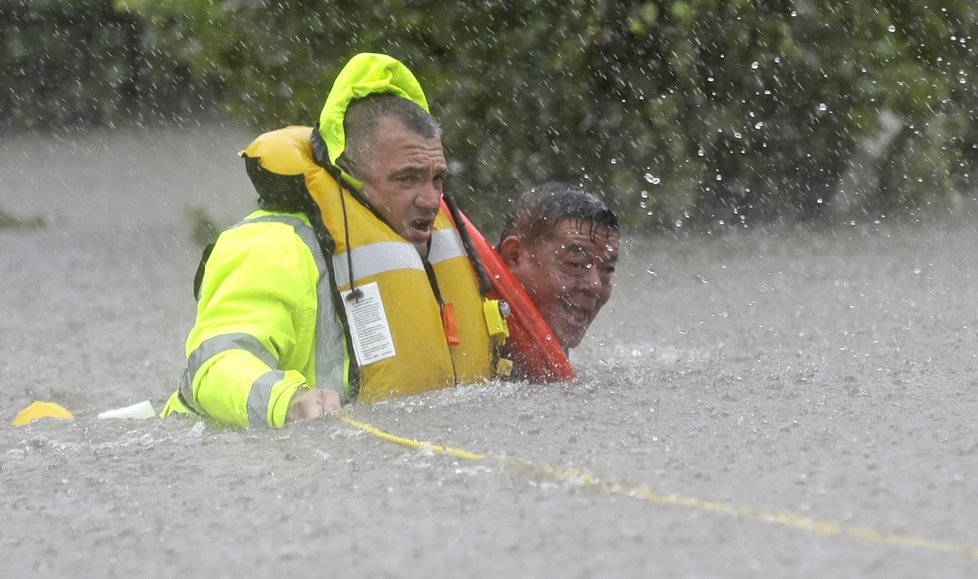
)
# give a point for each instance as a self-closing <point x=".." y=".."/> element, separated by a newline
<point x="350" y="282"/>
<point x="562" y="243"/>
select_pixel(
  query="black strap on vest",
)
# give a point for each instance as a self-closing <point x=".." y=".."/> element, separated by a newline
<point x="199" y="276"/>
<point x="485" y="285"/>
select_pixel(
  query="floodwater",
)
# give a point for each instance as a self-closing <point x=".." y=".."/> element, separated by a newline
<point x="754" y="404"/>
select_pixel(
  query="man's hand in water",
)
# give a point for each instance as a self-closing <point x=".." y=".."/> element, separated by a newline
<point x="312" y="404"/>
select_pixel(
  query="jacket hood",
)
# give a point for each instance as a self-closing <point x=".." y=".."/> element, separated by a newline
<point x="365" y="74"/>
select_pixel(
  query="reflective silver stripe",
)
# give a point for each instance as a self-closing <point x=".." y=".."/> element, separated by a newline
<point x="330" y="351"/>
<point x="330" y="355"/>
<point x="260" y="395"/>
<point x="387" y="256"/>
<point x="377" y="258"/>
<point x="445" y="244"/>
<point x="187" y="391"/>
<point x="214" y="346"/>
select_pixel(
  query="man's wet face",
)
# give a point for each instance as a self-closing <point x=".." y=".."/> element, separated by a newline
<point x="568" y="275"/>
<point x="403" y="179"/>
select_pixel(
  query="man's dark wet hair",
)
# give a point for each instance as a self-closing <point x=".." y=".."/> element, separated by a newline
<point x="541" y="209"/>
<point x="363" y="117"/>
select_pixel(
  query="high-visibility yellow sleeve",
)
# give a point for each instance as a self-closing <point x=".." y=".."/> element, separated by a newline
<point x="252" y="346"/>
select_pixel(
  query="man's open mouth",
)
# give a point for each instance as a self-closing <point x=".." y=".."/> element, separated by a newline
<point x="578" y="315"/>
<point x="422" y="225"/>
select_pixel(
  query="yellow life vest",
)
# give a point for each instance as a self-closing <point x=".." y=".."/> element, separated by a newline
<point x="417" y="355"/>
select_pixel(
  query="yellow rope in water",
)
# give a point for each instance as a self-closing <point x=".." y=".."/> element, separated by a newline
<point x="645" y="493"/>
<point x="408" y="442"/>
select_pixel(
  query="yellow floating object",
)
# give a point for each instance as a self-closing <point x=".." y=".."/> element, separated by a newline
<point x="38" y="410"/>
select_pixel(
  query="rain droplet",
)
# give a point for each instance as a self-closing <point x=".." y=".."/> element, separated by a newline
<point x="823" y="107"/>
<point x="754" y="65"/>
<point x="650" y="178"/>
<point x="891" y="28"/>
<point x="651" y="270"/>
<point x="645" y="194"/>
<point x="759" y="125"/>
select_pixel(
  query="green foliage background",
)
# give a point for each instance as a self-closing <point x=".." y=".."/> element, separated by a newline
<point x="682" y="112"/>
<point x="85" y="63"/>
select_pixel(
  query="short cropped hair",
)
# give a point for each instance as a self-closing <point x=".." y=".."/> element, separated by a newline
<point x="363" y="117"/>
<point x="541" y="209"/>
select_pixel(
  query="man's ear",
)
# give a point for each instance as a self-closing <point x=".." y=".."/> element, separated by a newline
<point x="511" y="250"/>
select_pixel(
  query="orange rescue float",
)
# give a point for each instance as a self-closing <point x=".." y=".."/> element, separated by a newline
<point x="532" y="344"/>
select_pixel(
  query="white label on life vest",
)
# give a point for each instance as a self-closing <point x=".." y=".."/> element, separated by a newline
<point x="372" y="341"/>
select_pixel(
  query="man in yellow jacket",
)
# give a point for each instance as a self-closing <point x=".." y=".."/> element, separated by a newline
<point x="350" y="283"/>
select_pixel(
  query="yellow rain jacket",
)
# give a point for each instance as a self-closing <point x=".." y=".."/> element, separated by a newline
<point x="273" y="311"/>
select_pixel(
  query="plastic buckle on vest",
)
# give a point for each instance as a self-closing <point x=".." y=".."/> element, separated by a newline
<point x="504" y="367"/>
<point x="496" y="312"/>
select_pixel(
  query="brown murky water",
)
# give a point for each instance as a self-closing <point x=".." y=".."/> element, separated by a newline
<point x="753" y="404"/>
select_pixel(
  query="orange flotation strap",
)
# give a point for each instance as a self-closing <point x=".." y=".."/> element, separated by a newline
<point x="532" y="344"/>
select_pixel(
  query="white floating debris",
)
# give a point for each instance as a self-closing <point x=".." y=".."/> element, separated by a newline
<point x="138" y="411"/>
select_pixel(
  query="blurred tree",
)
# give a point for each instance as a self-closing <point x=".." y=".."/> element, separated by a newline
<point x="84" y="63"/>
<point x="681" y="111"/>
<point x="961" y="70"/>
<point x="921" y="62"/>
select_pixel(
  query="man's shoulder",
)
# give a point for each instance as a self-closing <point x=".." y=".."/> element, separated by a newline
<point x="268" y="233"/>
<point x="294" y="219"/>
